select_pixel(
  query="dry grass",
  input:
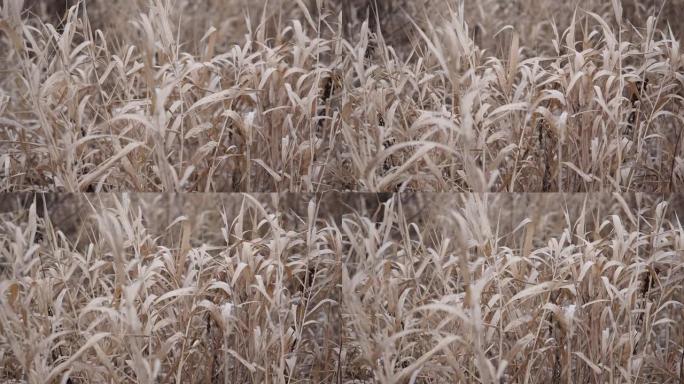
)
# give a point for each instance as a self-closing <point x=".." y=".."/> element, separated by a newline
<point x="363" y="134"/>
<point x="268" y="288"/>
<point x="250" y="301"/>
<point x="300" y="105"/>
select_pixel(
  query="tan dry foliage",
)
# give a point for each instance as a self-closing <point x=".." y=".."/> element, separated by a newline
<point x="257" y="288"/>
<point x="297" y="104"/>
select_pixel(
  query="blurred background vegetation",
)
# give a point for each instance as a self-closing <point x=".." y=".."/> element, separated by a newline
<point x="532" y="19"/>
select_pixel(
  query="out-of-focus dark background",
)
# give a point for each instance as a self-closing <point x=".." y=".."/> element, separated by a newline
<point x="533" y="19"/>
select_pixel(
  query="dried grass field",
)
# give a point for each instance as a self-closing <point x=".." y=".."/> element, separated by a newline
<point x="352" y="192"/>
<point x="175" y="96"/>
<point x="270" y="288"/>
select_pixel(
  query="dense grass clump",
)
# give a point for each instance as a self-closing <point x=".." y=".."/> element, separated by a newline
<point x="268" y="288"/>
<point x="317" y="191"/>
<point x="302" y="102"/>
